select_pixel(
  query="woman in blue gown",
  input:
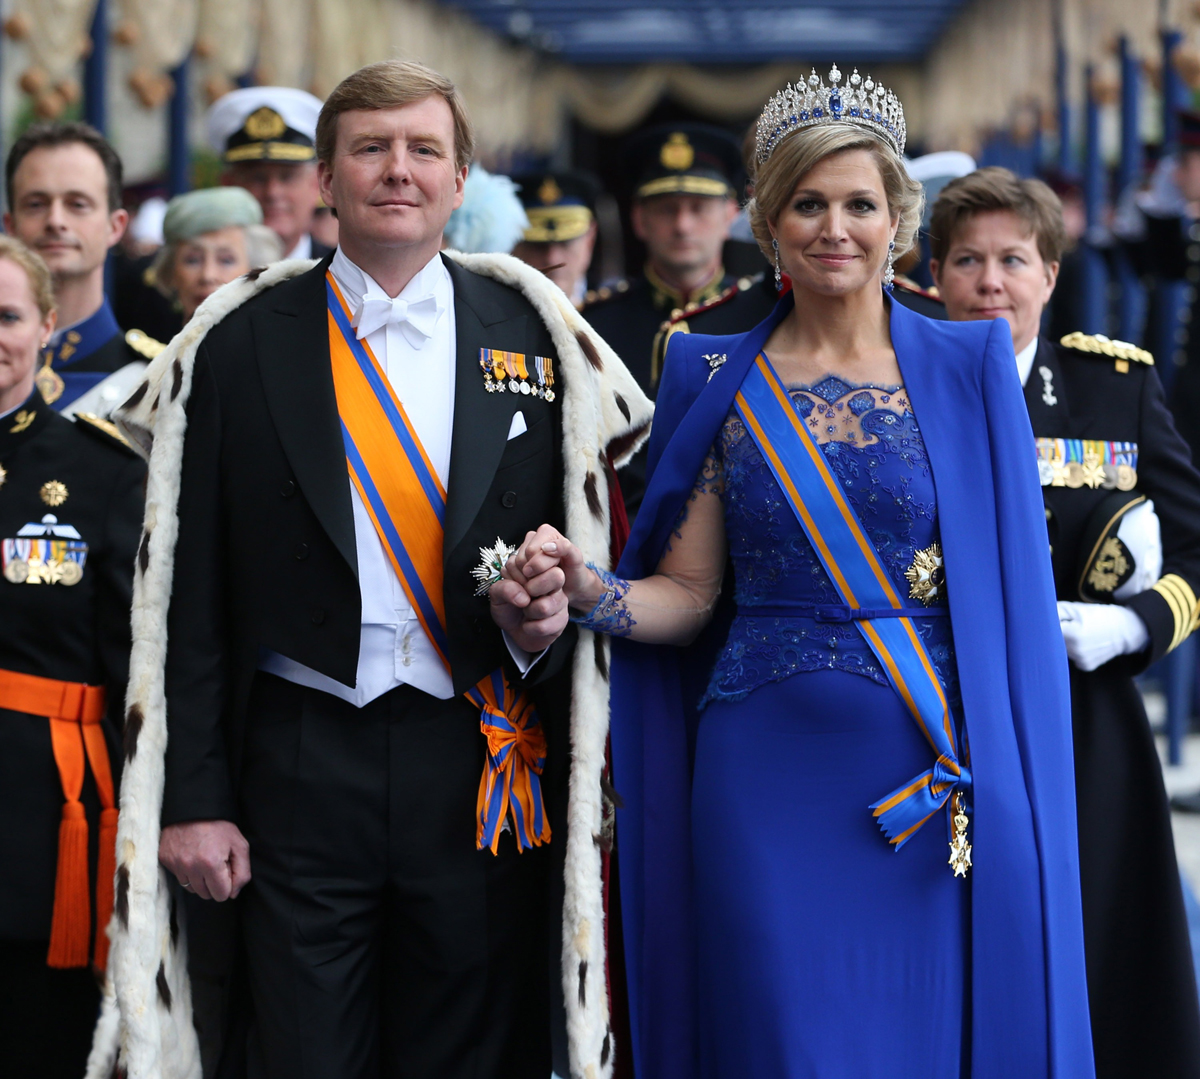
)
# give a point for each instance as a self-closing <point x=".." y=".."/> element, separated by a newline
<point x="789" y="907"/>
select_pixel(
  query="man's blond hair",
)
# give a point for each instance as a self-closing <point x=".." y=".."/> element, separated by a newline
<point x="391" y="84"/>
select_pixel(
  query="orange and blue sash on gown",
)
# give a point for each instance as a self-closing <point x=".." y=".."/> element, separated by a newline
<point x="849" y="557"/>
<point x="406" y="502"/>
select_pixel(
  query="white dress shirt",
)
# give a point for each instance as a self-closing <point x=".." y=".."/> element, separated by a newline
<point x="1025" y="360"/>
<point x="394" y="648"/>
<point x="303" y="250"/>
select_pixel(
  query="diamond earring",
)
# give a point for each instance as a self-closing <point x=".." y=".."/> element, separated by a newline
<point x="889" y="274"/>
<point x="778" y="273"/>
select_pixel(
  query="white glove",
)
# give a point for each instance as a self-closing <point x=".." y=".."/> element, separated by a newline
<point x="1139" y="531"/>
<point x="1097" y="632"/>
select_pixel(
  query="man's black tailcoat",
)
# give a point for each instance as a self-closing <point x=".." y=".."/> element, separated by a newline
<point x="266" y="552"/>
<point x="1141" y="982"/>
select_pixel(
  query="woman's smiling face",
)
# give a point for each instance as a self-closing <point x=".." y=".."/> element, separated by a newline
<point x="834" y="232"/>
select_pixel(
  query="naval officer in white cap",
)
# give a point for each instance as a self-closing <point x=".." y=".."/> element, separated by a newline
<point x="265" y="136"/>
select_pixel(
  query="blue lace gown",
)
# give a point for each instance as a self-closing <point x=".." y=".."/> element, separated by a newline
<point x="824" y="952"/>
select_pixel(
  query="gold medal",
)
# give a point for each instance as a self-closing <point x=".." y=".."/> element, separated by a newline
<point x="1059" y="474"/>
<point x="3" y="475"/>
<point x="16" y="570"/>
<point x="1093" y="474"/>
<point x="53" y="492"/>
<point x="1074" y="474"/>
<point x="960" y="849"/>
<point x="69" y="572"/>
<point x="1126" y="478"/>
<point x="48" y="381"/>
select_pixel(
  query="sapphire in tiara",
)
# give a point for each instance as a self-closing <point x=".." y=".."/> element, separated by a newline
<point x="811" y="101"/>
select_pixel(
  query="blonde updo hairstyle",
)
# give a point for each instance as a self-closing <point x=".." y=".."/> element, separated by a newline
<point x="41" y="285"/>
<point x="798" y="154"/>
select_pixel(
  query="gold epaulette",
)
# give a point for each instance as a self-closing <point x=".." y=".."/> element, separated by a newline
<point x="1099" y="345"/>
<point x="1185" y="611"/>
<point x="143" y="344"/>
<point x="96" y="424"/>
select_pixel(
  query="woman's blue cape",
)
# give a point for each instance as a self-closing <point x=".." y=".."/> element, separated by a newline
<point x="1028" y="1006"/>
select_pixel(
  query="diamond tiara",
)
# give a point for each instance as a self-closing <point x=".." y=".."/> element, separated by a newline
<point x="862" y="102"/>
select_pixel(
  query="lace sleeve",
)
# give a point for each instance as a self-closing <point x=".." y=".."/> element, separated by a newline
<point x="675" y="604"/>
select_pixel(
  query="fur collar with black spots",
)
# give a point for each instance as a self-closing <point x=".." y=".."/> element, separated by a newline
<point x="147" y="1014"/>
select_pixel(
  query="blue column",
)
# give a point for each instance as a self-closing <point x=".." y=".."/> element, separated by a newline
<point x="1175" y="92"/>
<point x="1064" y="109"/>
<point x="1094" y="279"/>
<point x="1131" y="312"/>
<point x="95" y="72"/>
<point x="179" y="177"/>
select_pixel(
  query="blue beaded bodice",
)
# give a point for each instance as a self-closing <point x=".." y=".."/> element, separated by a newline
<point x="870" y="438"/>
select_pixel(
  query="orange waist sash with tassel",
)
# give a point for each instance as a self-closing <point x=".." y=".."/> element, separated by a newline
<point x="74" y="711"/>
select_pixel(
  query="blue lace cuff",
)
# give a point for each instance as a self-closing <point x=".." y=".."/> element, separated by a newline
<point x="610" y="615"/>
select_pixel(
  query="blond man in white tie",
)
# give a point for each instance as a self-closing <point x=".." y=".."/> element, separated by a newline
<point x="356" y="433"/>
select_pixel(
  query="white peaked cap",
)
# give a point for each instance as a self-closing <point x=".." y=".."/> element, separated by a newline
<point x="298" y="108"/>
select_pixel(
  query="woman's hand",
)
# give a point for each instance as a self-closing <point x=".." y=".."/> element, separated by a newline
<point x="548" y="549"/>
<point x="529" y="602"/>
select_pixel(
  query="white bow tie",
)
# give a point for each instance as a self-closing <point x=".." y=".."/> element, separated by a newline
<point x="415" y="319"/>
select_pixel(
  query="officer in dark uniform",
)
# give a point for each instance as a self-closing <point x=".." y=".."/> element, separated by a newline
<point x="1123" y="514"/>
<point x="70" y="519"/>
<point x="684" y="202"/>
<point x="64" y="197"/>
<point x="266" y="138"/>
<point x="560" y="239"/>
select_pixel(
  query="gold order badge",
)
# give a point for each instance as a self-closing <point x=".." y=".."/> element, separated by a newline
<point x="53" y="492"/>
<point x="549" y="193"/>
<point x="677" y="153"/>
<point x="927" y="575"/>
<point x="264" y="123"/>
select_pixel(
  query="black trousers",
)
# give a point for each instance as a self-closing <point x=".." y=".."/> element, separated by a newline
<point x="46" y="1016"/>
<point x="379" y="941"/>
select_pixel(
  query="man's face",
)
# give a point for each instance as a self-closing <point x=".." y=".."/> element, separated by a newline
<point x="393" y="180"/>
<point x="565" y="263"/>
<point x="683" y="233"/>
<point x="60" y="209"/>
<point x="286" y="191"/>
<point x="993" y="269"/>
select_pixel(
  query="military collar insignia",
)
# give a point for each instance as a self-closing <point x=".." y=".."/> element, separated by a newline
<point x="1048" y="397"/>
<point x="44" y="552"/>
<point x="491" y="565"/>
<point x="510" y="371"/>
<point x="82" y="339"/>
<point x="667" y="298"/>
<point x="24" y="422"/>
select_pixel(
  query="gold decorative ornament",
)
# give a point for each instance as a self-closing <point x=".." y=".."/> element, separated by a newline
<point x="677" y="153"/>
<point x="927" y="575"/>
<point x="16" y="571"/>
<point x="48" y="381"/>
<point x="22" y="420"/>
<point x="53" y="493"/>
<point x="549" y="193"/>
<point x="1126" y="478"/>
<point x="960" y="849"/>
<point x="264" y="123"/>
<point x="1109" y="567"/>
<point x="1100" y="345"/>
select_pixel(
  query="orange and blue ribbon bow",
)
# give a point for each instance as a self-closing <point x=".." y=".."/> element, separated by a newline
<point x="865" y="586"/>
<point x="407" y="504"/>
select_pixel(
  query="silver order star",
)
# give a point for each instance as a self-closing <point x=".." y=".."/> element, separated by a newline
<point x="491" y="565"/>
